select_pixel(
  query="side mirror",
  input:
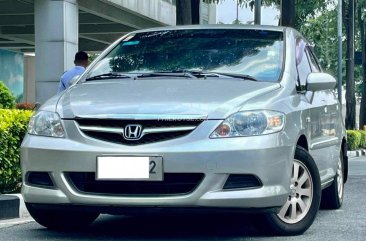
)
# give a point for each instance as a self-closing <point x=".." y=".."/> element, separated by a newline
<point x="320" y="81"/>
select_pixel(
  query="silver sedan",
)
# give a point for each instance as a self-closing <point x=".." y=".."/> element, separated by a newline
<point x="191" y="118"/>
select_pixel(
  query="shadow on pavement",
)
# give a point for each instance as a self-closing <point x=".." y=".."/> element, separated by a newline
<point x="187" y="227"/>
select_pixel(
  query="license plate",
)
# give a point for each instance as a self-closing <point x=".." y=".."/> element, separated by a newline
<point x="129" y="168"/>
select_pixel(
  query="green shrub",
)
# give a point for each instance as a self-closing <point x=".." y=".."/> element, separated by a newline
<point x="353" y="139"/>
<point x="7" y="100"/>
<point x="363" y="139"/>
<point x="13" y="126"/>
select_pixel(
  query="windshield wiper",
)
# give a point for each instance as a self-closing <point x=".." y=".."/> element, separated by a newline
<point x="219" y="74"/>
<point x="174" y="73"/>
<point x="201" y="74"/>
<point x="109" y="76"/>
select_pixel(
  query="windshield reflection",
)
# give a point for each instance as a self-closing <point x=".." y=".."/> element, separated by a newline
<point x="254" y="53"/>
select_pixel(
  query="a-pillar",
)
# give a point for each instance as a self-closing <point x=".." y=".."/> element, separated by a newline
<point x="56" y="36"/>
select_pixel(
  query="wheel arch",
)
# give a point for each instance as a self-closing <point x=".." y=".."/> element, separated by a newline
<point x="303" y="142"/>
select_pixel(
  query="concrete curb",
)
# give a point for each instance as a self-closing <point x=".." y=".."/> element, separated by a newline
<point x="12" y="206"/>
<point x="356" y="153"/>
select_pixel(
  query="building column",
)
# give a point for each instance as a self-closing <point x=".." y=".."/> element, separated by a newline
<point x="56" y="36"/>
<point x="29" y="79"/>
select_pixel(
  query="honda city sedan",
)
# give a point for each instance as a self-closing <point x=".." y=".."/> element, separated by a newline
<point x="216" y="118"/>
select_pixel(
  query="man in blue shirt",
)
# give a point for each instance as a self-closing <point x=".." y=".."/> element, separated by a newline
<point x="81" y="62"/>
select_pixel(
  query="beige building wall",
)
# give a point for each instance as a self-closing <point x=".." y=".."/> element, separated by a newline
<point x="160" y="10"/>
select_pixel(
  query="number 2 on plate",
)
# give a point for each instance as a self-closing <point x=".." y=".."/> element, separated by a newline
<point x="152" y="167"/>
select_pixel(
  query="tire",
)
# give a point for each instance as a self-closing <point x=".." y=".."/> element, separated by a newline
<point x="302" y="205"/>
<point x="61" y="220"/>
<point x="332" y="196"/>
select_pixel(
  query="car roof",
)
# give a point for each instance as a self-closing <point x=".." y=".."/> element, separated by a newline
<point x="218" y="26"/>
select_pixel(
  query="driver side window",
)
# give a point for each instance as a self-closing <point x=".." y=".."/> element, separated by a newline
<point x="302" y="64"/>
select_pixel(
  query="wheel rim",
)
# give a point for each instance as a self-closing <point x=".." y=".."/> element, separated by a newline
<point x="301" y="196"/>
<point x="340" y="179"/>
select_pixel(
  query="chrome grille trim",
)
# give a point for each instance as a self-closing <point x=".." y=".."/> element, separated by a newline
<point x="168" y="129"/>
<point x="144" y="131"/>
<point x="101" y="129"/>
<point x="143" y="117"/>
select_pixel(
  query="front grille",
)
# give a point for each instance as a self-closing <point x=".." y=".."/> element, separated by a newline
<point x="111" y="130"/>
<point x="173" y="184"/>
<point x="150" y="138"/>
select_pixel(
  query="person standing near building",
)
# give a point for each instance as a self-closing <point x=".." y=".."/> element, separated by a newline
<point x="81" y="62"/>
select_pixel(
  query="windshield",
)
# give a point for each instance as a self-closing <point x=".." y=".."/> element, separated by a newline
<point x="256" y="53"/>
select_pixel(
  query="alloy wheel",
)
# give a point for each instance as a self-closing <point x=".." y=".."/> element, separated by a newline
<point x="300" y="199"/>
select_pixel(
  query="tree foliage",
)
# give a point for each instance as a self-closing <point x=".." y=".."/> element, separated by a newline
<point x="7" y="100"/>
<point x="322" y="32"/>
<point x="304" y="10"/>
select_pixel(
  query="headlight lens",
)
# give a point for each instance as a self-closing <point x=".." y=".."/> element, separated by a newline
<point x="46" y="123"/>
<point x="250" y="123"/>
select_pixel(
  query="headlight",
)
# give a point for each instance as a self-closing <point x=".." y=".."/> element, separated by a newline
<point x="250" y="123"/>
<point x="45" y="123"/>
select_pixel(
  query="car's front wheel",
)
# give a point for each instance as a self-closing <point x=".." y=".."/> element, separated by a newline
<point x="302" y="204"/>
<point x="60" y="220"/>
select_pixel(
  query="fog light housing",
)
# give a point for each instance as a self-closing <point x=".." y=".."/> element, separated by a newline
<point x="242" y="181"/>
<point x="39" y="179"/>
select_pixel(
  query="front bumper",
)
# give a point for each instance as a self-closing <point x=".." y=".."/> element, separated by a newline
<point x="268" y="157"/>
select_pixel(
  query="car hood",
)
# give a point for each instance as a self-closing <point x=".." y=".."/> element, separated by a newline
<point x="214" y="98"/>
